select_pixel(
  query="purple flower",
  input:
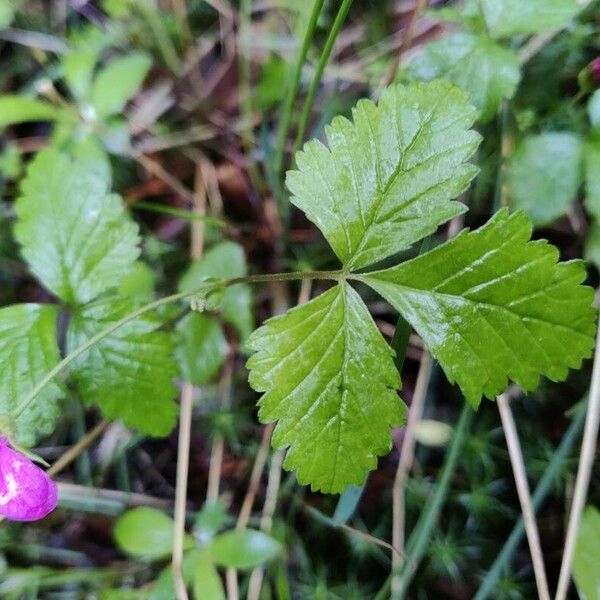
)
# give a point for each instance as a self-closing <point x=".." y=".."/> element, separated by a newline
<point x="26" y="492"/>
<point x="595" y="70"/>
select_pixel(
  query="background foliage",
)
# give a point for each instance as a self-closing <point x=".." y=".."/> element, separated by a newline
<point x="120" y="119"/>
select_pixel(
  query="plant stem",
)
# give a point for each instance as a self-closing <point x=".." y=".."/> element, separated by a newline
<point x="214" y="469"/>
<point x="541" y="491"/>
<point x="183" y="461"/>
<point x="180" y="10"/>
<point x="104" y="501"/>
<point x="407" y="454"/>
<point x="248" y="503"/>
<point x="312" y="90"/>
<point x="155" y="168"/>
<point x="74" y="451"/>
<point x="185" y="417"/>
<point x="406" y="41"/>
<point x="371" y="538"/>
<point x="75" y="354"/>
<point x="259" y="465"/>
<point x="180" y="213"/>
<point x="586" y="462"/>
<point x="292" y="92"/>
<point x="161" y="36"/>
<point x="274" y="479"/>
<point x="421" y="534"/>
<point x="218" y="444"/>
<point x="266" y="521"/>
<point x="518" y="466"/>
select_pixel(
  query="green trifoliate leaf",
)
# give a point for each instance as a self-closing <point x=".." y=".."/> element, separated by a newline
<point x="491" y="305"/>
<point x="544" y="175"/>
<point x="591" y="164"/>
<point x="28" y="350"/>
<point x="505" y="18"/>
<point x="20" y="109"/>
<point x="129" y="373"/>
<point x="225" y="260"/>
<point x="116" y="83"/>
<point x="486" y="70"/>
<point x="330" y="382"/>
<point x="587" y="555"/>
<point x="201" y="347"/>
<point x="388" y="177"/>
<point x="75" y="236"/>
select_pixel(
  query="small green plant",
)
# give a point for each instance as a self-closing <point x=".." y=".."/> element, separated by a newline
<point x="490" y="305"/>
<point x="90" y="123"/>
<point x="79" y="241"/>
<point x="147" y="534"/>
<point x="81" y="244"/>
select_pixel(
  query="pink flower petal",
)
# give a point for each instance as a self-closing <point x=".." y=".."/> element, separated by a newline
<point x="26" y="492"/>
<point x="596" y="70"/>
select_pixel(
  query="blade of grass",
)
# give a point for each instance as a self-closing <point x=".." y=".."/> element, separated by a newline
<point x="518" y="467"/>
<point x="292" y="92"/>
<point x="347" y="504"/>
<point x="312" y="90"/>
<point x="406" y="42"/>
<point x="266" y="521"/>
<point x="407" y="453"/>
<point x="185" y="419"/>
<point x="165" y="44"/>
<point x="274" y="479"/>
<point x="586" y="462"/>
<point x="541" y="492"/>
<point x="421" y="534"/>
<point x="180" y="213"/>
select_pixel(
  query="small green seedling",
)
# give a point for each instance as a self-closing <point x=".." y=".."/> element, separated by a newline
<point x="147" y="534"/>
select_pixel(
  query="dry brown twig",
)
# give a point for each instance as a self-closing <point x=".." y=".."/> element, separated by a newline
<point x="518" y="466"/>
<point x="407" y="38"/>
<point x="407" y="453"/>
<point x="185" y="420"/>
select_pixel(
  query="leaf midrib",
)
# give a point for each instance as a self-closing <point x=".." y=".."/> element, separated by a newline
<point x="382" y="194"/>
